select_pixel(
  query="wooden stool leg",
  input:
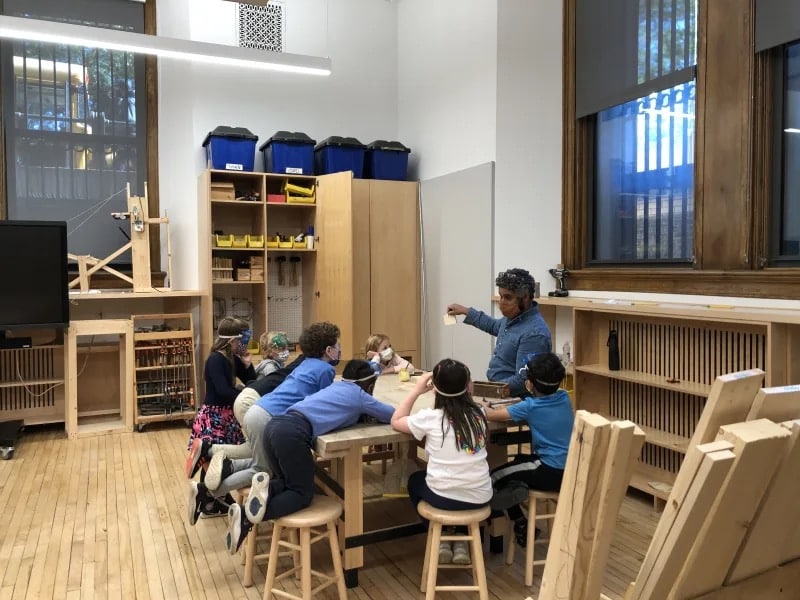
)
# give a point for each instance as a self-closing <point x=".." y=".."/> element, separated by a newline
<point x="478" y="568"/>
<point x="305" y="560"/>
<point x="423" y="580"/>
<point x="512" y="542"/>
<point x="274" y="548"/>
<point x="249" y="554"/>
<point x="336" y="558"/>
<point x="433" y="567"/>
<point x="294" y="538"/>
<point x="529" y="546"/>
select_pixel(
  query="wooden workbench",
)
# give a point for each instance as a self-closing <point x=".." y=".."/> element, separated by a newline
<point x="346" y="478"/>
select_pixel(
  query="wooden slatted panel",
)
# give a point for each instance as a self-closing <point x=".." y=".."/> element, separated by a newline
<point x="31" y="384"/>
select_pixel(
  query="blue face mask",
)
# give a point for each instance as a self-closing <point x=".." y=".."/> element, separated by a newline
<point x="335" y="362"/>
<point x="246" y="335"/>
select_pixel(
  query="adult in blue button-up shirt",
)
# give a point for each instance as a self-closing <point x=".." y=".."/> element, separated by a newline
<point x="521" y="332"/>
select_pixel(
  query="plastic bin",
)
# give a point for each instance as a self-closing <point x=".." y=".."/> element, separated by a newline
<point x="336" y="154"/>
<point x="231" y="148"/>
<point x="289" y="152"/>
<point x="386" y="160"/>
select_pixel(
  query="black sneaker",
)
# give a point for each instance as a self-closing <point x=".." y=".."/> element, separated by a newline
<point x="198" y="454"/>
<point x="238" y="528"/>
<point x="521" y="532"/>
<point x="196" y="499"/>
<point x="219" y="468"/>
<point x="213" y="509"/>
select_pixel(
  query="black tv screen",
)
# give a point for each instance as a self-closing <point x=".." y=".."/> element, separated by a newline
<point x="33" y="274"/>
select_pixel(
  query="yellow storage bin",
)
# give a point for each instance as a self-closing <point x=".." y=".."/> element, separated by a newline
<point x="289" y="244"/>
<point x="223" y="241"/>
<point x="300" y="199"/>
<point x="272" y="241"/>
<point x="239" y="241"/>
<point x="255" y="241"/>
<point x="299" y="190"/>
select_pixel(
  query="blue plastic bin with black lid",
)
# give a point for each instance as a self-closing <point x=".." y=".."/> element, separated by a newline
<point x="289" y="152"/>
<point x="336" y="154"/>
<point x="386" y="160"/>
<point x="231" y="148"/>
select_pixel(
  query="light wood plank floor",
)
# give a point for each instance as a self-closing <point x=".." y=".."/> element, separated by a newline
<point x="103" y="517"/>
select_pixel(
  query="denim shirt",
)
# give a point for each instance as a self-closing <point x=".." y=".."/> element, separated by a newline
<point x="517" y="339"/>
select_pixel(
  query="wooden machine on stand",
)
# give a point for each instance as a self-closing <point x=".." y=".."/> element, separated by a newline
<point x="139" y="245"/>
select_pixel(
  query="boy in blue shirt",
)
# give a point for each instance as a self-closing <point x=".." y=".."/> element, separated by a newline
<point x="289" y="440"/>
<point x="548" y="412"/>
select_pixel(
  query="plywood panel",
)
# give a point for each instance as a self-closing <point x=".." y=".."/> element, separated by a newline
<point x="394" y="251"/>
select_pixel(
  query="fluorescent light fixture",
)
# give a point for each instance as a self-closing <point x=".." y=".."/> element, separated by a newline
<point x="791" y="130"/>
<point x="18" y="28"/>
<point x="665" y="112"/>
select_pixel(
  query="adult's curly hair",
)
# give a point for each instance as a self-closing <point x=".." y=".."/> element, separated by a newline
<point x="315" y="338"/>
<point x="519" y="281"/>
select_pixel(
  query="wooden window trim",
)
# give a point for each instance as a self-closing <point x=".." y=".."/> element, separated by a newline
<point x="151" y="141"/>
<point x="740" y="267"/>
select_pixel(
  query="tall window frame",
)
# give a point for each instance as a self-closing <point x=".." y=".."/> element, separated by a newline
<point x="149" y="130"/>
<point x="733" y="160"/>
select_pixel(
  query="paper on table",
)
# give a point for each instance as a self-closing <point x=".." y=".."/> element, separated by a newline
<point x="449" y="319"/>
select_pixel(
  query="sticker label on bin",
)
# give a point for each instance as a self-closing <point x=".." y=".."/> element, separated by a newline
<point x="234" y="167"/>
<point x="295" y="170"/>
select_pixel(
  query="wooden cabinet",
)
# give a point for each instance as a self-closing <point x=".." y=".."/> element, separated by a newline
<point x="164" y="368"/>
<point x="368" y="261"/>
<point x="669" y="358"/>
<point x="362" y="273"/>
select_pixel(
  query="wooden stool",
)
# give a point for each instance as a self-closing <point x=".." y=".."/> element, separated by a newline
<point x="323" y="511"/>
<point x="550" y="500"/>
<point x="430" y="566"/>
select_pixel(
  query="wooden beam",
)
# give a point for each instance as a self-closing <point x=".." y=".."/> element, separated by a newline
<point x="776" y="520"/>
<point x="776" y="404"/>
<point x="779" y="583"/>
<point x="759" y="447"/>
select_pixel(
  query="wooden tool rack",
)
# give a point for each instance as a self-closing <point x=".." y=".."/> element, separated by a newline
<point x="164" y="368"/>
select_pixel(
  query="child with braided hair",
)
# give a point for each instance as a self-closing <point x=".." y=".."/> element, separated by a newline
<point x="455" y="433"/>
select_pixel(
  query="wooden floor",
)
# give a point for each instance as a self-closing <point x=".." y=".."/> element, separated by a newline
<point x="103" y="517"/>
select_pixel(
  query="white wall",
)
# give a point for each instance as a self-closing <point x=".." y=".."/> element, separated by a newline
<point x="359" y="99"/>
<point x="529" y="105"/>
<point x="447" y="76"/>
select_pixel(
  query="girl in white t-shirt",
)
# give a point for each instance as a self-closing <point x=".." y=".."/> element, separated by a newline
<point x="455" y="433"/>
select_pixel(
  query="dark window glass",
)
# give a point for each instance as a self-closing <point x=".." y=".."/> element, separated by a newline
<point x="74" y="123"/>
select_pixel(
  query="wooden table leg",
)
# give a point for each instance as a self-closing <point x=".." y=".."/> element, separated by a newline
<point x="353" y="513"/>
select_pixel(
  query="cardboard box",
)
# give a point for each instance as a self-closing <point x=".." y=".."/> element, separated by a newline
<point x="242" y="274"/>
<point x="222" y="190"/>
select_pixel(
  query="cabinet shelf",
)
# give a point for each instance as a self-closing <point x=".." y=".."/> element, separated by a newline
<point x="285" y="250"/>
<point x="239" y="202"/>
<point x="226" y="282"/>
<point x="13" y="384"/>
<point x="173" y="416"/>
<point x="651" y="480"/>
<point x="658" y="437"/>
<point x="164" y="367"/>
<point x="659" y="381"/>
<point x="292" y="205"/>
<point x="221" y="249"/>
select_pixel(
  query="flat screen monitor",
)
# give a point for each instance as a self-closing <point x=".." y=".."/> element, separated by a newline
<point x="33" y="274"/>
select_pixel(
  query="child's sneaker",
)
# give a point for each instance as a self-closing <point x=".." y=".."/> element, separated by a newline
<point x="238" y="528"/>
<point x="219" y="468"/>
<point x="445" y="553"/>
<point x="198" y="454"/>
<point x="195" y="500"/>
<point x="213" y="509"/>
<point x="461" y="553"/>
<point x="256" y="504"/>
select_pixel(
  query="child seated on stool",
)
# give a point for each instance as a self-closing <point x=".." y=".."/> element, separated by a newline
<point x="382" y="357"/>
<point x="548" y="412"/>
<point x="455" y="433"/>
<point x="274" y="352"/>
<point x="289" y="440"/>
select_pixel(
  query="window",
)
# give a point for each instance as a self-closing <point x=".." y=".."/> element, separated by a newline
<point x="74" y="121"/>
<point x="642" y="199"/>
<point x="785" y="234"/>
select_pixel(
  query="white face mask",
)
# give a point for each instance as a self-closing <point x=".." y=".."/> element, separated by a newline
<point x="387" y="354"/>
<point x="283" y="355"/>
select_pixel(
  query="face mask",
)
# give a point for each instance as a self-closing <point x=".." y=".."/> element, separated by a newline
<point x="283" y="355"/>
<point x="334" y="362"/>
<point x="387" y="354"/>
<point x="245" y="337"/>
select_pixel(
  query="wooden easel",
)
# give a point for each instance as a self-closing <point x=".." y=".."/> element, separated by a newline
<point x="139" y="245"/>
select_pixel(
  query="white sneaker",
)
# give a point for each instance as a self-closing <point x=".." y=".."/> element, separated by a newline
<point x="445" y="553"/>
<point x="461" y="553"/>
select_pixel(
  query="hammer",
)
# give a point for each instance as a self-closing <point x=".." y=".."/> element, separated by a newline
<point x="281" y="260"/>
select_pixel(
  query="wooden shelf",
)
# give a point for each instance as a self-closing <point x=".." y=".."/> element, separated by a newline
<point x="291" y="250"/>
<point x="177" y="416"/>
<point x="281" y="176"/>
<point x="239" y="202"/>
<point x="222" y="249"/>
<point x="250" y="174"/>
<point x="686" y="387"/>
<point x="664" y="439"/>
<point x="42" y="347"/>
<point x="232" y="282"/>
<point x="131" y="295"/>
<point x="164" y="367"/>
<point x="161" y="335"/>
<point x="160" y="395"/>
<point x="293" y="204"/>
<point x="645" y="475"/>
<point x="13" y="384"/>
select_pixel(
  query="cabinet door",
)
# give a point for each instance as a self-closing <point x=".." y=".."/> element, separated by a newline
<point x="334" y="230"/>
<point x="395" y="262"/>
